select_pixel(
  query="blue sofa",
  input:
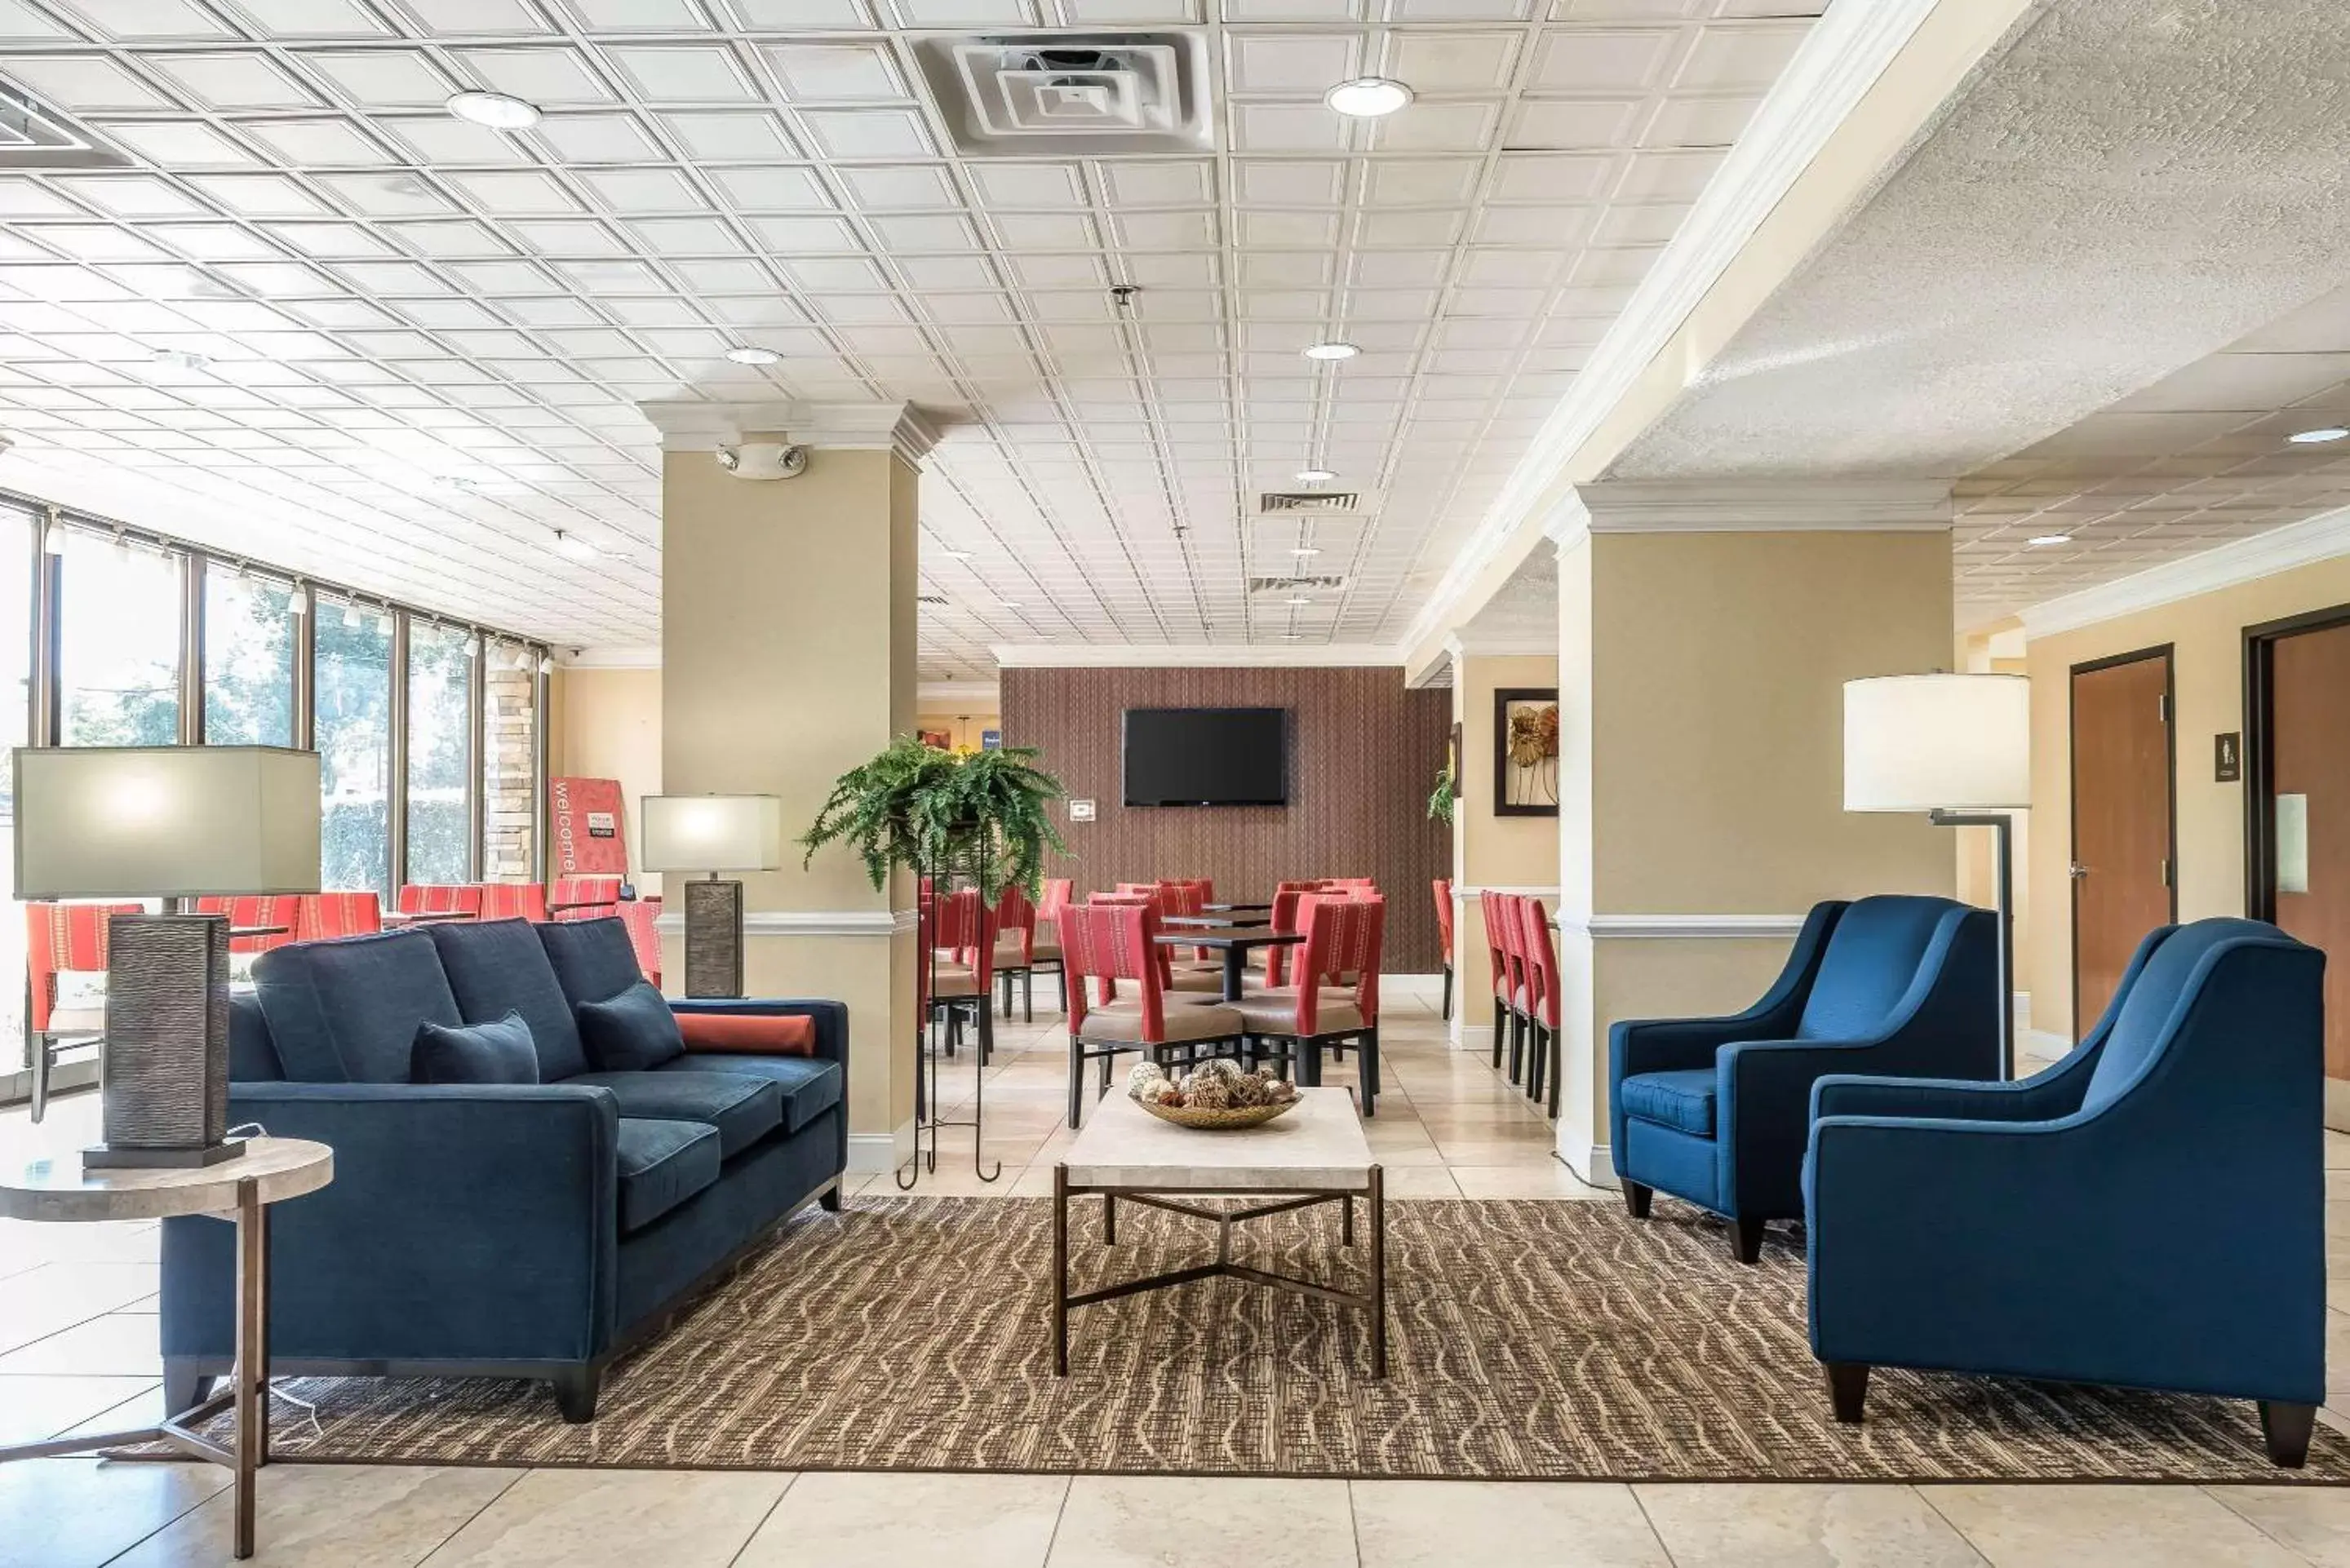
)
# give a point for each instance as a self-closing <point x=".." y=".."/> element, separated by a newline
<point x="509" y="1231"/>
<point x="1718" y="1110"/>
<point x="2149" y="1212"/>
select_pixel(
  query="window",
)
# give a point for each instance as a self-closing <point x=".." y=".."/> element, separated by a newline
<point x="509" y="763"/>
<point x="117" y="645"/>
<point x="440" y="752"/>
<point x="352" y="697"/>
<point x="249" y="625"/>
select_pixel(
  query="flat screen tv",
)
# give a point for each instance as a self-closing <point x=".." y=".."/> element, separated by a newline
<point x="1207" y="756"/>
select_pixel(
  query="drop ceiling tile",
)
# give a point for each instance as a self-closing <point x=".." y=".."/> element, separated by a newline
<point x="835" y="73"/>
<point x="899" y="187"/>
<point x="125" y="196"/>
<point x="1713" y="120"/>
<point x="730" y="137"/>
<point x="1732" y="56"/>
<point x="1572" y="123"/>
<point x="259" y="195"/>
<point x="866" y="133"/>
<point x="926" y="232"/>
<point x="309" y="18"/>
<point x="808" y="235"/>
<point x="441" y="143"/>
<point x="599" y="139"/>
<point x="1033" y="185"/>
<point x="638" y="16"/>
<point x="686" y="236"/>
<point x="1160" y="183"/>
<point x="18" y="20"/>
<point x="778" y="190"/>
<point x="566" y="237"/>
<point x="1677" y="176"/>
<point x="1301" y="64"/>
<point x="1284" y="184"/>
<point x="179" y="143"/>
<point x="684" y="73"/>
<point x="644" y="189"/>
<point x="1044" y="231"/>
<point x="1287" y="128"/>
<point x="145" y="21"/>
<point x="380" y="78"/>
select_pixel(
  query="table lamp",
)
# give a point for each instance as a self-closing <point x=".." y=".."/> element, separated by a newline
<point x="171" y="822"/>
<point x="713" y="833"/>
<point x="1957" y="748"/>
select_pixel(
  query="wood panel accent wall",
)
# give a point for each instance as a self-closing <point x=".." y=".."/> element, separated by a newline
<point x="1363" y="755"/>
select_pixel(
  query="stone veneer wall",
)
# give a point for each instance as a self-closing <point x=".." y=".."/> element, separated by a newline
<point x="510" y="785"/>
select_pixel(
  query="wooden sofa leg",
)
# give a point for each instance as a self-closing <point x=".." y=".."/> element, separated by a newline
<point x="1848" y="1389"/>
<point x="1746" y="1239"/>
<point x="575" y="1394"/>
<point x="1636" y="1198"/>
<point x="829" y="1198"/>
<point x="2285" y="1429"/>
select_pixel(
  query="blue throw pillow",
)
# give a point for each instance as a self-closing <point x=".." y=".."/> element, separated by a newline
<point x="499" y="1052"/>
<point x="631" y="1032"/>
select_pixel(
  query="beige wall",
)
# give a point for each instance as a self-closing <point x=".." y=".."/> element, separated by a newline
<point x="2206" y="635"/>
<point x="1491" y="851"/>
<point x="1702" y="679"/>
<point x="607" y="725"/>
<point x="788" y="658"/>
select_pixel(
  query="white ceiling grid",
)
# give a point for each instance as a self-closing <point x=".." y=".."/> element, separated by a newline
<point x="422" y="342"/>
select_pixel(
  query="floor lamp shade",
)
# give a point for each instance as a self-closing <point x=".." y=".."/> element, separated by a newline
<point x="168" y="822"/>
<point x="713" y="833"/>
<point x="1937" y="742"/>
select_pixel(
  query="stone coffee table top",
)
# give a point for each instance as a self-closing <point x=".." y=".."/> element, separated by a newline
<point x="1317" y="1147"/>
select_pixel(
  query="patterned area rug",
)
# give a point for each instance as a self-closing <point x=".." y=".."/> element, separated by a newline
<point x="1551" y="1340"/>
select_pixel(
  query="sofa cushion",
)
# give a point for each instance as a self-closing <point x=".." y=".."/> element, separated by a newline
<point x="631" y="1032"/>
<point x="346" y="1011"/>
<point x="662" y="1164"/>
<point x="594" y="960"/>
<point x="499" y="1052"/>
<point x="754" y="1034"/>
<point x="809" y="1087"/>
<point x="1872" y="957"/>
<point x="743" y="1107"/>
<point x="1683" y="1099"/>
<point x="496" y="967"/>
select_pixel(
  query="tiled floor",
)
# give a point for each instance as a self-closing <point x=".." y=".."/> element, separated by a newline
<point x="77" y="1347"/>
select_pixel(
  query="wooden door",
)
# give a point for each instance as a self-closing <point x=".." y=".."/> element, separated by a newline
<point x="2122" y="829"/>
<point x="2308" y="751"/>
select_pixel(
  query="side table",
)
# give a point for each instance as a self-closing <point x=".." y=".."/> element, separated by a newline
<point x="271" y="1170"/>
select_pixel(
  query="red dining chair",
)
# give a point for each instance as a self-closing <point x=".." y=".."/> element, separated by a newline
<point x="1110" y="944"/>
<point x="1444" y="938"/>
<point x="1514" y="956"/>
<point x="512" y="901"/>
<point x="1353" y="884"/>
<point x="1015" y="948"/>
<point x="963" y="934"/>
<point x="1542" y="1005"/>
<point x="1170" y="977"/>
<point x="1285" y="899"/>
<point x="1343" y="936"/>
<point x="1497" y="959"/>
<point x="257" y="913"/>
<point x="584" y="898"/>
<point x="65" y="970"/>
<point x="443" y="898"/>
<point x="1046" y="951"/>
<point x="322" y="917"/>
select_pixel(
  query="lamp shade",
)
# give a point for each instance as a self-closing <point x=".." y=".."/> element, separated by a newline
<point x="713" y="833"/>
<point x="1937" y="742"/>
<point x="166" y="822"/>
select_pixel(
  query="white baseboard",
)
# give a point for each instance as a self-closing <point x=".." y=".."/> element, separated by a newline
<point x="1476" y="1037"/>
<point x="1594" y="1164"/>
<point x="871" y="1154"/>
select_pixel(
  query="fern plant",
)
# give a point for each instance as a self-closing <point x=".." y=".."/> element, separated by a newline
<point x="1441" y="802"/>
<point x="917" y="806"/>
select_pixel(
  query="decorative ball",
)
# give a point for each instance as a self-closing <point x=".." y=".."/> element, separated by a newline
<point x="1248" y="1091"/>
<point x="1164" y="1092"/>
<point x="1279" y="1093"/>
<point x="1223" y="1067"/>
<point x="1208" y="1092"/>
<point x="1142" y="1074"/>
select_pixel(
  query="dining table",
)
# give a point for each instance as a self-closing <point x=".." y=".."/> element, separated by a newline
<point x="1211" y="920"/>
<point x="1237" y="908"/>
<point x="1233" y="942"/>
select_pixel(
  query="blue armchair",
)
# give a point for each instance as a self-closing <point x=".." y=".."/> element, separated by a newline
<point x="1718" y="1110"/>
<point x="2149" y="1212"/>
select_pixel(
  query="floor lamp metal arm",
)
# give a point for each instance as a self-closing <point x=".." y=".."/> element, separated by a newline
<point x="2003" y="825"/>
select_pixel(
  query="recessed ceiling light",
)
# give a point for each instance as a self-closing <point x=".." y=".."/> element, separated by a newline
<point x="1368" y="98"/>
<point x="1300" y="599"/>
<point x="2311" y="437"/>
<point x="572" y="546"/>
<point x="2050" y="539"/>
<point x="498" y="111"/>
<point x="1293" y="636"/>
<point x="1331" y="351"/>
<point x="1303" y="550"/>
<point x="751" y="354"/>
<point x="1316" y="475"/>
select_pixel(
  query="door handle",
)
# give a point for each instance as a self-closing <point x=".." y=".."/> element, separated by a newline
<point x="2076" y="871"/>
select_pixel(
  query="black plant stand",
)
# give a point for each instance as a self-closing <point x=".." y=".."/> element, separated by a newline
<point x="934" y="1032"/>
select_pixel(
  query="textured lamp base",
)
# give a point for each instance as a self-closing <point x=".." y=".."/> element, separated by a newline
<point x="163" y="1070"/>
<point x="713" y="939"/>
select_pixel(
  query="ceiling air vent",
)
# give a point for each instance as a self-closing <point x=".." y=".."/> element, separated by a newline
<point x="1309" y="501"/>
<point x="1022" y="95"/>
<point x="1325" y="583"/>
<point x="32" y="137"/>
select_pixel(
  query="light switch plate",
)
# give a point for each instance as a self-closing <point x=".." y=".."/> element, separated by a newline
<point x="1081" y="811"/>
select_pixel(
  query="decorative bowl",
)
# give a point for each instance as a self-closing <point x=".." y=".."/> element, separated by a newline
<point x="1221" y="1120"/>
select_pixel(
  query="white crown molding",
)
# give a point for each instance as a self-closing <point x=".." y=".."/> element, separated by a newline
<point x="957" y="696"/>
<point x="1600" y="927"/>
<point x="1462" y="648"/>
<point x="612" y="656"/>
<point x="2319" y="538"/>
<point x="1170" y="655"/>
<point x="689" y="425"/>
<point x="1839" y="60"/>
<point x="809" y="923"/>
<point x="1765" y="506"/>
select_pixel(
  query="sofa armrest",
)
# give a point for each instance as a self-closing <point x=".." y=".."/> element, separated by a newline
<point x="831" y="1017"/>
<point x="2053" y="1091"/>
<point x="463" y="1221"/>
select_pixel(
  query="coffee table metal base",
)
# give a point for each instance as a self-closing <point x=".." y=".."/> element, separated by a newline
<point x="1372" y="1299"/>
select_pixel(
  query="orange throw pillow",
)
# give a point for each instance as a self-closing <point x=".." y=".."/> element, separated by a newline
<point x="749" y="1033"/>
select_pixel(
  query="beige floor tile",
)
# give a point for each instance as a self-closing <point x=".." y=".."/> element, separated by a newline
<point x="1406" y="1182"/>
<point x="589" y="1519"/>
<point x="1746" y="1526"/>
<point x="882" y="1520"/>
<point x="81" y="1513"/>
<point x="2313" y="1521"/>
<point x="33" y="1408"/>
<point x="118" y="1345"/>
<point x="1125" y="1522"/>
<point x="1460" y="1524"/>
<point x="2337" y="1353"/>
<point x="330" y="1516"/>
<point x="27" y="1243"/>
<point x="41" y="1301"/>
<point x="1551" y="1180"/>
<point x="2104" y="1527"/>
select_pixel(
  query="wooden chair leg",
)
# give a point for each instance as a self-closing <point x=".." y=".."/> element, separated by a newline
<point x="1501" y="1014"/>
<point x="1077" y="1080"/>
<point x="1636" y="1198"/>
<point x="1447" y="1012"/>
<point x="1534" y="1057"/>
<point x="2285" y="1429"/>
<point x="1369" y="1071"/>
<point x="1848" y="1389"/>
<point x="1557" y="1062"/>
<point x="1746" y="1239"/>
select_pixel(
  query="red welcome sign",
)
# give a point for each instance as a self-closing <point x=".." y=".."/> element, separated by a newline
<point x="590" y="821"/>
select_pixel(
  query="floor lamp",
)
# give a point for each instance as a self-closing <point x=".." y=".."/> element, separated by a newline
<point x="713" y="833"/>
<point x="1957" y="748"/>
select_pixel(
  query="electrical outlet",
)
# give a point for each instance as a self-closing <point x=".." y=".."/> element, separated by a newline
<point x="1081" y="811"/>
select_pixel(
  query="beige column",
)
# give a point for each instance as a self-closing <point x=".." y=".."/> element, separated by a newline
<point x="1705" y="634"/>
<point x="788" y="658"/>
<point x="1515" y="854"/>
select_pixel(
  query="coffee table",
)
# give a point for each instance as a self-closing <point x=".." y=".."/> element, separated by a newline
<point x="1317" y="1154"/>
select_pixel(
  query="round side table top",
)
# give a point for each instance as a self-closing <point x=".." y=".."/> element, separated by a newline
<point x="55" y="1187"/>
